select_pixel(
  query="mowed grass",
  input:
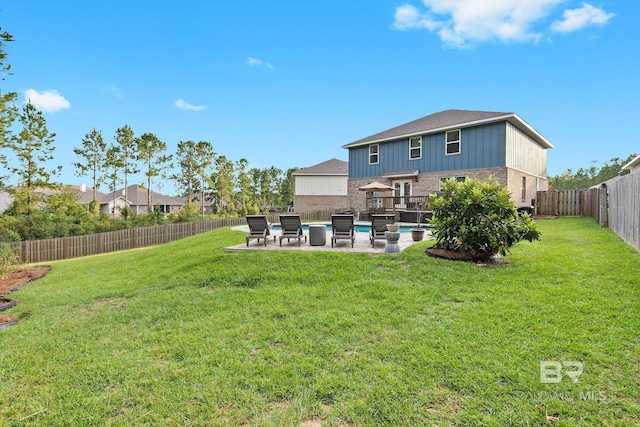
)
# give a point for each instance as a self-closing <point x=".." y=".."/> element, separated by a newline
<point x="187" y="334"/>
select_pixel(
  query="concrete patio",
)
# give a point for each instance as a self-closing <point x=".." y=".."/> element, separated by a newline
<point x="361" y="244"/>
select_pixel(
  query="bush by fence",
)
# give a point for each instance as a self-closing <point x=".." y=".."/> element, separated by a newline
<point x="35" y="251"/>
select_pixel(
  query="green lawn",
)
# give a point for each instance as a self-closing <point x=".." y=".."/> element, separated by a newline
<point x="188" y="334"/>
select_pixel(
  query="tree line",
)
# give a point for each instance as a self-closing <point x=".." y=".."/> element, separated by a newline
<point x="43" y="208"/>
<point x="590" y="176"/>
<point x="202" y="175"/>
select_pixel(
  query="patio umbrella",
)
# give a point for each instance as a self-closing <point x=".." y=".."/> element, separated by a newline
<point x="376" y="186"/>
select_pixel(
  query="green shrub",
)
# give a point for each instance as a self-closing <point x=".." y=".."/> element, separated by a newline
<point x="477" y="217"/>
<point x="191" y="212"/>
<point x="9" y="260"/>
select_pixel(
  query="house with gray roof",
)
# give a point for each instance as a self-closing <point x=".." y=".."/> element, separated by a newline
<point x="633" y="166"/>
<point x="322" y="186"/>
<point x="136" y="197"/>
<point x="417" y="156"/>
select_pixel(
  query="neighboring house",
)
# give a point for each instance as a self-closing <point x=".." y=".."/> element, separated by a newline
<point x="85" y="194"/>
<point x="417" y="156"/>
<point x="5" y="200"/>
<point x="135" y="197"/>
<point x="633" y="165"/>
<point x="322" y="186"/>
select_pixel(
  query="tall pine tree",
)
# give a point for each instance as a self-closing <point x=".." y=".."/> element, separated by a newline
<point x="32" y="148"/>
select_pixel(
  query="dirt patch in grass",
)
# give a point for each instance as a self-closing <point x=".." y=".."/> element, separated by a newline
<point x="22" y="277"/>
<point x="16" y="280"/>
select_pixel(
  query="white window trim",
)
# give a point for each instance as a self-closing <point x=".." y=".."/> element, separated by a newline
<point x="419" y="138"/>
<point x="377" y="154"/>
<point x="459" y="141"/>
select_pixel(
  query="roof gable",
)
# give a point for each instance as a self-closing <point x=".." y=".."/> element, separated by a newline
<point x="449" y="119"/>
<point x="330" y="167"/>
<point x="635" y="162"/>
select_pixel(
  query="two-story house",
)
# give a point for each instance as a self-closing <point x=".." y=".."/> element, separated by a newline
<point x="417" y="156"/>
<point x="322" y="186"/>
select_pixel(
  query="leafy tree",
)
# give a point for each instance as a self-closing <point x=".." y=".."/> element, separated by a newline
<point x="113" y="166"/>
<point x="268" y="182"/>
<point x="32" y="148"/>
<point x="8" y="111"/>
<point x="223" y="183"/>
<point x="125" y="139"/>
<point x="243" y="183"/>
<point x="151" y="151"/>
<point x="588" y="177"/>
<point x="92" y="158"/>
<point x="265" y="185"/>
<point x="255" y="175"/>
<point x="64" y="203"/>
<point x="288" y="186"/>
<point x="275" y="182"/>
<point x="480" y="218"/>
<point x="193" y="160"/>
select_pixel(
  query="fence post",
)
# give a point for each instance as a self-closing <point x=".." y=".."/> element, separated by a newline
<point x="603" y="199"/>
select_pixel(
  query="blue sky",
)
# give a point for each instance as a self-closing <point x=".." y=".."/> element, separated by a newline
<point x="287" y="83"/>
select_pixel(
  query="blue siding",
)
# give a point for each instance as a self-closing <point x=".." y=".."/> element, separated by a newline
<point x="481" y="147"/>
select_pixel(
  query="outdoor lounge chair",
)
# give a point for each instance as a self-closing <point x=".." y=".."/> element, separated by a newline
<point x="291" y="228"/>
<point x="258" y="228"/>
<point x="342" y="226"/>
<point x="379" y="227"/>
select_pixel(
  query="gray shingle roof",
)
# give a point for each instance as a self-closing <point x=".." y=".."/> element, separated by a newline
<point x="137" y="196"/>
<point x="449" y="119"/>
<point x="330" y="167"/>
<point x="85" y="194"/>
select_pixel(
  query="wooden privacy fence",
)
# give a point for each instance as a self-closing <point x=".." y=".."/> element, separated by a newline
<point x="614" y="203"/>
<point x="624" y="207"/>
<point x="568" y="202"/>
<point x="34" y="251"/>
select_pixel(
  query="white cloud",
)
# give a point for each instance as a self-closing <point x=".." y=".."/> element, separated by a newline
<point x="255" y="62"/>
<point x="113" y="90"/>
<point x="407" y="17"/>
<point x="48" y="101"/>
<point x="181" y="104"/>
<point x="462" y="23"/>
<point x="577" y="19"/>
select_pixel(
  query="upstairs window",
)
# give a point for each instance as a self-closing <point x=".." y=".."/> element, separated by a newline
<point x="453" y="142"/>
<point x="415" y="148"/>
<point x="373" y="154"/>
